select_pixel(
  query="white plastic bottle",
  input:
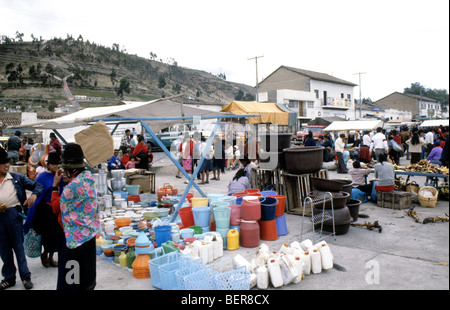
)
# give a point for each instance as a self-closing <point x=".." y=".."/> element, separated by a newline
<point x="316" y="262"/>
<point x="203" y="252"/>
<point x="219" y="244"/>
<point x="210" y="248"/>
<point x="306" y="259"/>
<point x="285" y="249"/>
<point x="275" y="273"/>
<point x="326" y="256"/>
<point x="239" y="261"/>
<point x="306" y="244"/>
<point x="262" y="278"/>
<point x="288" y="271"/>
<point x="298" y="263"/>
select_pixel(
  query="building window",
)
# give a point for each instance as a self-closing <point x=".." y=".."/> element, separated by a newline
<point x="316" y="91"/>
<point x="349" y="97"/>
<point x="342" y="95"/>
<point x="293" y="104"/>
<point x="310" y="104"/>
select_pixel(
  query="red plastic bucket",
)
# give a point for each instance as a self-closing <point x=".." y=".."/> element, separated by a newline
<point x="268" y="230"/>
<point x="235" y="214"/>
<point x="250" y="209"/>
<point x="251" y="191"/>
<point x="186" y="216"/>
<point x="281" y="204"/>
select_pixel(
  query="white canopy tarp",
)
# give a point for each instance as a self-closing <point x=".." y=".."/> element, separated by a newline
<point x="161" y="108"/>
<point x="434" y="123"/>
<point x="354" y="125"/>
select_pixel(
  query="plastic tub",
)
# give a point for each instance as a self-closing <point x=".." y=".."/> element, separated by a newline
<point x="268" y="208"/>
<point x="162" y="234"/>
<point x="199" y="202"/>
<point x="201" y="215"/>
<point x="281" y="204"/>
<point x="186" y="233"/>
<point x="353" y="206"/>
<point x="222" y="216"/>
<point x="186" y="216"/>
<point x="252" y="191"/>
<point x="132" y="189"/>
<point x="268" y="193"/>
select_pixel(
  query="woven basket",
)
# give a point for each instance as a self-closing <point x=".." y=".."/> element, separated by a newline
<point x="428" y="202"/>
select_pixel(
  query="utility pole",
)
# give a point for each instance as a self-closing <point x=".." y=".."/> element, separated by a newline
<point x="256" y="62"/>
<point x="360" y="100"/>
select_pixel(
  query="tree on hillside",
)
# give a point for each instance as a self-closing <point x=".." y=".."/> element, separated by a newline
<point x="440" y="95"/>
<point x="161" y="81"/>
<point x="124" y="86"/>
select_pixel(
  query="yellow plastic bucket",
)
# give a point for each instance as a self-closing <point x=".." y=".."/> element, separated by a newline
<point x="199" y="202"/>
<point x="232" y="240"/>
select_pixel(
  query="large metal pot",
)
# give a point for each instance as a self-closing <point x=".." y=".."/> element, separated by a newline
<point x="118" y="173"/>
<point x="118" y="184"/>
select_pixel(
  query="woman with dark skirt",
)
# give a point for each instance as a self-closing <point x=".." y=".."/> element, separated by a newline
<point x="41" y="217"/>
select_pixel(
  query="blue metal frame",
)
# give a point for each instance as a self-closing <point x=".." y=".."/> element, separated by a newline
<point x="158" y="141"/>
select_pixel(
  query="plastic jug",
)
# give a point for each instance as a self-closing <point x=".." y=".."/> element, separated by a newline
<point x="306" y="244"/>
<point x="123" y="259"/>
<point x="326" y="256"/>
<point x="262" y="277"/>
<point x="306" y="259"/>
<point x="316" y="261"/>
<point x="131" y="256"/>
<point x="275" y="273"/>
<point x="232" y="240"/>
<point x="250" y="234"/>
<point x="203" y="252"/>
<point x="288" y="271"/>
<point x="240" y="261"/>
<point x="170" y="246"/>
<point x="285" y="249"/>
<point x="250" y="208"/>
<point x="298" y="263"/>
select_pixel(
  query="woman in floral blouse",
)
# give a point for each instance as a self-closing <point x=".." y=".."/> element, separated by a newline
<point x="77" y="209"/>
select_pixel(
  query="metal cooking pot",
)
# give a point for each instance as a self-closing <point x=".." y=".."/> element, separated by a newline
<point x="118" y="184"/>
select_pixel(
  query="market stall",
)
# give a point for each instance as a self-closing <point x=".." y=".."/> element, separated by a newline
<point x="354" y="125"/>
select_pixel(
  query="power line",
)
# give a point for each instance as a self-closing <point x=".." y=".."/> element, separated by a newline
<point x="256" y="63"/>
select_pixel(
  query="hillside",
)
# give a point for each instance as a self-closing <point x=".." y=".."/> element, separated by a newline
<point x="97" y="71"/>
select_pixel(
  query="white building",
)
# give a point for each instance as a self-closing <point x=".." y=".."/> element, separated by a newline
<point x="312" y="94"/>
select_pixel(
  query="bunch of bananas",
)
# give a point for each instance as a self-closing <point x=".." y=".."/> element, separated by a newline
<point x="423" y="166"/>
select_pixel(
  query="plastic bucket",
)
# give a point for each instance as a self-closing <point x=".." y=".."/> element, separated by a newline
<point x="224" y="233"/>
<point x="281" y="225"/>
<point x="239" y="200"/>
<point x="222" y="217"/>
<point x="250" y="209"/>
<point x="199" y="202"/>
<point x="268" y="193"/>
<point x="235" y="214"/>
<point x="163" y="234"/>
<point x="186" y="216"/>
<point x="214" y="197"/>
<point x="242" y="194"/>
<point x="281" y="204"/>
<point x="186" y="233"/>
<point x="135" y="198"/>
<point x="268" y="208"/>
<point x="231" y="200"/>
<point x="201" y="215"/>
<point x="189" y="196"/>
<point x="252" y="191"/>
<point x="197" y="230"/>
<point x="268" y="230"/>
<point x="132" y="189"/>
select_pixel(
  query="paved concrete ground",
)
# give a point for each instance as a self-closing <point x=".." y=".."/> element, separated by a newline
<point x="404" y="256"/>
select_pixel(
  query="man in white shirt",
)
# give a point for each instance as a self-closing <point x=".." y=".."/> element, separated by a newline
<point x="339" y="147"/>
<point x="429" y="138"/>
<point x="379" y="143"/>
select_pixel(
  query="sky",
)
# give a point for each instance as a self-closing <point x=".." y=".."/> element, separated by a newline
<point x="392" y="43"/>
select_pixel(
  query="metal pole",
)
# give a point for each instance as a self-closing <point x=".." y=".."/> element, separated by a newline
<point x="360" y="100"/>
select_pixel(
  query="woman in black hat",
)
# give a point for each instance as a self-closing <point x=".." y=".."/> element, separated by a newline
<point x="77" y="209"/>
<point x="41" y="216"/>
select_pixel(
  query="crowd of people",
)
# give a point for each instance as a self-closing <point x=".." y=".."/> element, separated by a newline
<point x="62" y="208"/>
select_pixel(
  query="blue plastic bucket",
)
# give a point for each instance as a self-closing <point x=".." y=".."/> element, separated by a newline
<point x="222" y="216"/>
<point x="186" y="232"/>
<point x="231" y="200"/>
<point x="132" y="189"/>
<point x="214" y="197"/>
<point x="201" y="216"/>
<point x="281" y="225"/>
<point x="239" y="200"/>
<point x="268" y="193"/>
<point x="163" y="234"/>
<point x="268" y="208"/>
<point x="223" y="233"/>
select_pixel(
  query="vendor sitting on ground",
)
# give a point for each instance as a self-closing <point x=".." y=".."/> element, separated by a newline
<point x="239" y="183"/>
<point x="114" y="162"/>
<point x="385" y="174"/>
<point x="359" y="175"/>
<point x="142" y="154"/>
<point x="435" y="154"/>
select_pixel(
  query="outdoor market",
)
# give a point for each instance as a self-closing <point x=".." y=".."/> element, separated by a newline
<point x="225" y="209"/>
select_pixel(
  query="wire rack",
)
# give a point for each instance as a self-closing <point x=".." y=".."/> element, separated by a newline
<point x="327" y="214"/>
